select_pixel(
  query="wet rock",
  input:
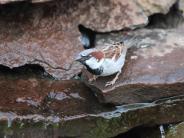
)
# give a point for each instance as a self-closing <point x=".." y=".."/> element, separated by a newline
<point x="40" y="95"/>
<point x="152" y="7"/>
<point x="99" y="123"/>
<point x="153" y="69"/>
<point x="69" y="109"/>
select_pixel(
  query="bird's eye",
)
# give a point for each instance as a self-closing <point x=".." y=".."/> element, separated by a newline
<point x="83" y="55"/>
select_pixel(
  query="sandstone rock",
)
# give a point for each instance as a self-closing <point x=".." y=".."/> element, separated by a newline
<point x="153" y="69"/>
<point x="35" y="95"/>
<point x="159" y="6"/>
<point x="30" y="37"/>
<point x="123" y="14"/>
<point x="68" y="109"/>
<point x="50" y="38"/>
<point x="48" y="34"/>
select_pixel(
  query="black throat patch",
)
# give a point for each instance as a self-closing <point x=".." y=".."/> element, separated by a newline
<point x="97" y="71"/>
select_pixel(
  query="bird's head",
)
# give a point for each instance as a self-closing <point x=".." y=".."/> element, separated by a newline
<point x="91" y="58"/>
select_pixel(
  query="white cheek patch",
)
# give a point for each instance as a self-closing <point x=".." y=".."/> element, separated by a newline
<point x="87" y="52"/>
<point x="93" y="63"/>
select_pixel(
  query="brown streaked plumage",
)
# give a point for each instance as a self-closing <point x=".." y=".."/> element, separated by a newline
<point x="97" y="54"/>
<point x="113" y="52"/>
<point x="104" y="61"/>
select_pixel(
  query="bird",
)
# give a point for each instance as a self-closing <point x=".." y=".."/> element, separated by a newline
<point x="104" y="61"/>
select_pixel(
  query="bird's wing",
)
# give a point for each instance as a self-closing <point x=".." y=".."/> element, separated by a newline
<point x="114" y="51"/>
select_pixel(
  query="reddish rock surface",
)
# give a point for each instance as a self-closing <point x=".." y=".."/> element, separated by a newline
<point x="152" y="71"/>
<point x="35" y="107"/>
<point x="34" y="95"/>
<point x="155" y="6"/>
<point x="48" y="34"/>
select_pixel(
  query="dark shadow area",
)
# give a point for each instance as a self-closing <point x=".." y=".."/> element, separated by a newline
<point x="28" y="70"/>
<point x="142" y="132"/>
<point x="170" y="20"/>
<point x="87" y="37"/>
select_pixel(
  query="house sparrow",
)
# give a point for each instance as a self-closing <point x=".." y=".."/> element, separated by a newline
<point x="106" y="61"/>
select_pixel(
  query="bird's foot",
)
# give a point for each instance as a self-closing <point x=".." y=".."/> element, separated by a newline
<point x="109" y="83"/>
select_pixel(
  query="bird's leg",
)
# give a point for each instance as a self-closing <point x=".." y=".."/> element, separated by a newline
<point x="94" y="77"/>
<point x="114" y="80"/>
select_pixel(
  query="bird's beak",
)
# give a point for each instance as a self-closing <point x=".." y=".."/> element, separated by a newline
<point x="77" y="58"/>
<point x="81" y="59"/>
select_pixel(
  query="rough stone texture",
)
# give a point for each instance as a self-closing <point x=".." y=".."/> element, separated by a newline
<point x="155" y="6"/>
<point x="154" y="68"/>
<point x="48" y="34"/>
<point x="104" y="21"/>
<point x="35" y="107"/>
<point x="40" y="96"/>
<point x="175" y="131"/>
